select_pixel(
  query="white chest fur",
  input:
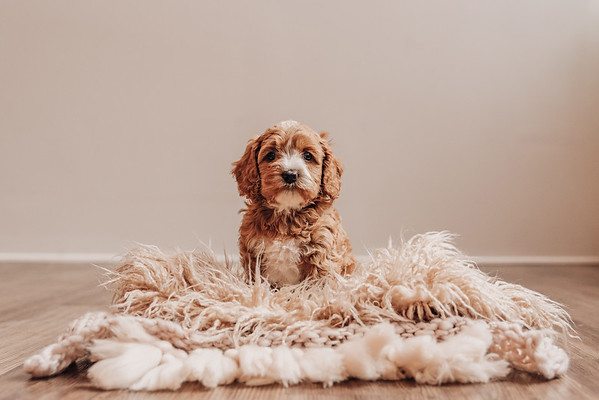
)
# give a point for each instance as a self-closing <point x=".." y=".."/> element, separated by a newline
<point x="280" y="261"/>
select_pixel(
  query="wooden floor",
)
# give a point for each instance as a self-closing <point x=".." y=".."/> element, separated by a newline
<point x="38" y="300"/>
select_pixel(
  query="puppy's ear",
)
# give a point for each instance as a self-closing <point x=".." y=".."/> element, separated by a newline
<point x="331" y="170"/>
<point x="246" y="170"/>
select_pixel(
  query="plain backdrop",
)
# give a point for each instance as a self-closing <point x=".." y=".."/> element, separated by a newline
<point x="119" y="120"/>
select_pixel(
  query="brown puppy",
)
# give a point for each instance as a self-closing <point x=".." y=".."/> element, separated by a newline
<point x="290" y="229"/>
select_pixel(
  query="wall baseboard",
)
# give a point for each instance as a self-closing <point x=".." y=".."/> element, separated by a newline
<point x="114" y="258"/>
<point x="536" y="260"/>
<point x="58" y="257"/>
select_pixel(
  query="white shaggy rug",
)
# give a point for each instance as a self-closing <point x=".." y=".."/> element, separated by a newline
<point x="419" y="311"/>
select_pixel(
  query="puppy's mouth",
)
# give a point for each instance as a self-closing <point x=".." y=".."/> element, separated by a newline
<point x="290" y="186"/>
<point x="290" y="197"/>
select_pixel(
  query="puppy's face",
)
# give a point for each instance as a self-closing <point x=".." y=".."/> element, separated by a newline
<point x="288" y="166"/>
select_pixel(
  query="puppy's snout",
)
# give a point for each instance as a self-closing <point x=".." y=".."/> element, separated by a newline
<point x="289" y="176"/>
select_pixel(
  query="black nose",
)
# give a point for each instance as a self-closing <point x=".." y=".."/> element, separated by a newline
<point x="289" y="176"/>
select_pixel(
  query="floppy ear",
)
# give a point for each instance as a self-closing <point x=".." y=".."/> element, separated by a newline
<point x="331" y="170"/>
<point x="246" y="170"/>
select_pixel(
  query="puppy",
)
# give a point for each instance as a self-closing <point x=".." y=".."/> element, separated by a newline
<point x="290" y="229"/>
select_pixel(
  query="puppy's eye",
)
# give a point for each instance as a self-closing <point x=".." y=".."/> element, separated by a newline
<point x="270" y="156"/>
<point x="308" y="156"/>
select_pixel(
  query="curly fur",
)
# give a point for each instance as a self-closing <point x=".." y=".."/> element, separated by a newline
<point x="291" y="231"/>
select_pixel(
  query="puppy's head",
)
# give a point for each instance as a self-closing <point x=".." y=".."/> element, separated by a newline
<point x="289" y="166"/>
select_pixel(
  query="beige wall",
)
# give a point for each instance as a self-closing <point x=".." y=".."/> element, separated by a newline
<point x="119" y="119"/>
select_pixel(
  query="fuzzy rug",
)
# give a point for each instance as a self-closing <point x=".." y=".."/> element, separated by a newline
<point x="420" y="310"/>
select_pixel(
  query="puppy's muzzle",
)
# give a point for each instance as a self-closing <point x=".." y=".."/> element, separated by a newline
<point x="290" y="176"/>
